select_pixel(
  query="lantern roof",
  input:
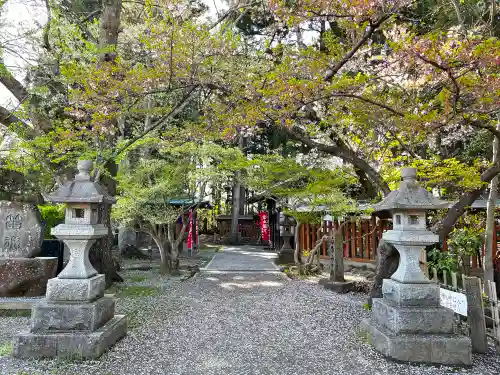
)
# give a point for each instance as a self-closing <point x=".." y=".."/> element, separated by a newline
<point x="81" y="189"/>
<point x="410" y="196"/>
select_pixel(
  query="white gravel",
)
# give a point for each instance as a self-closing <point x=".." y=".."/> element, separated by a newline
<point x="240" y="324"/>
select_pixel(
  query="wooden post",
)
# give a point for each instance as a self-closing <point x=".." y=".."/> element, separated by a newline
<point x="302" y="237"/>
<point x="313" y="235"/>
<point x="445" y="244"/>
<point x="348" y="238"/>
<point x="495" y="316"/>
<point x="308" y="237"/>
<point x="353" y="238"/>
<point x="445" y="279"/>
<point x="454" y="281"/>
<point x="435" y="275"/>
<point x="325" y="231"/>
<point x="366" y="239"/>
<point x="380" y="229"/>
<point x="337" y="271"/>
<point x="494" y="244"/>
<point x="475" y="314"/>
<point x="373" y="229"/>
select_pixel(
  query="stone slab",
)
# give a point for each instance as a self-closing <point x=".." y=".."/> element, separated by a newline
<point x="75" y="344"/>
<point x="26" y="277"/>
<point x="411" y="294"/>
<point x="21" y="231"/>
<point x="76" y="289"/>
<point x="286" y="256"/>
<point x="18" y="303"/>
<point x="427" y="320"/>
<point x="430" y="349"/>
<point x="336" y="286"/>
<point x="65" y="317"/>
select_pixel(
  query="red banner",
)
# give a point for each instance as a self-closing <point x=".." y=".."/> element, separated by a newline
<point x="197" y="234"/>
<point x="264" y="225"/>
<point x="190" y="234"/>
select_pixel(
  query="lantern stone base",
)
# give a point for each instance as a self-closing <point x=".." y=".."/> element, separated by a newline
<point x="47" y="316"/>
<point x="285" y="256"/>
<point x="73" y="320"/>
<point x="408" y="324"/>
<point x="76" y="289"/>
<point x="411" y="294"/>
<point x="443" y="349"/>
<point x="411" y="320"/>
<point x="80" y="344"/>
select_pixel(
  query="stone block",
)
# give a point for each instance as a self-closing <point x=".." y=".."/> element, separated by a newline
<point x="75" y="344"/>
<point x="64" y="317"/>
<point x="76" y="289"/>
<point x="337" y="286"/>
<point x="411" y="294"/>
<point x="285" y="256"/>
<point x="398" y="319"/>
<point x="26" y="277"/>
<point x="419" y="348"/>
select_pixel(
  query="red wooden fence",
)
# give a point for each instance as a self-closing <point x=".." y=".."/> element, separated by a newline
<point x="361" y="239"/>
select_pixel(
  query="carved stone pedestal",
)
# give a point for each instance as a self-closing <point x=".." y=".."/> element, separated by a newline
<point x="409" y="325"/>
<point x="73" y="320"/>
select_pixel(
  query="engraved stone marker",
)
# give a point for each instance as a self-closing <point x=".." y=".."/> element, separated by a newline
<point x="21" y="231"/>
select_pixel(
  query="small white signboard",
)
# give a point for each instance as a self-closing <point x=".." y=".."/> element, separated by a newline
<point x="454" y="301"/>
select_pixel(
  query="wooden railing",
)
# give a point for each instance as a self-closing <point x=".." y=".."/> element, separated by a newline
<point x="361" y="237"/>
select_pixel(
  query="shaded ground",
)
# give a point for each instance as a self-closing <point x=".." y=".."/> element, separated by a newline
<point x="238" y="322"/>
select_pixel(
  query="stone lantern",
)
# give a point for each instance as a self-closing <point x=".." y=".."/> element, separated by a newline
<point x="408" y="323"/>
<point x="75" y="319"/>
<point x="286" y="253"/>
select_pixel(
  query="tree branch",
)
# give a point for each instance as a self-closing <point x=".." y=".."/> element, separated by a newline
<point x="370" y="30"/>
<point x="173" y="112"/>
<point x="13" y="85"/>
<point x="344" y="153"/>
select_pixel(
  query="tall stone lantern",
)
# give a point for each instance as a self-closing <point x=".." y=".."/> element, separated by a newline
<point x="408" y="323"/>
<point x="75" y="319"/>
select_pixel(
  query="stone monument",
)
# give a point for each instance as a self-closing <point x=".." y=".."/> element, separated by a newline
<point x="21" y="234"/>
<point x="75" y="319"/>
<point x="286" y="253"/>
<point x="408" y="323"/>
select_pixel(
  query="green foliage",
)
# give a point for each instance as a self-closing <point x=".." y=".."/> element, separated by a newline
<point x="466" y="241"/>
<point x="137" y="279"/>
<point x="5" y="349"/>
<point x="306" y="193"/>
<point x="52" y="215"/>
<point x="442" y="261"/>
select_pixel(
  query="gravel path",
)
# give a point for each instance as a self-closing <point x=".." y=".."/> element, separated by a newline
<point x="242" y="258"/>
<point x="242" y="323"/>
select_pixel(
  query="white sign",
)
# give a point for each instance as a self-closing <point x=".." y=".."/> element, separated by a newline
<point x="454" y="301"/>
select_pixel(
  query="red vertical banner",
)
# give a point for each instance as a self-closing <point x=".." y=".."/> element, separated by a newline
<point x="190" y="233"/>
<point x="197" y="237"/>
<point x="264" y="225"/>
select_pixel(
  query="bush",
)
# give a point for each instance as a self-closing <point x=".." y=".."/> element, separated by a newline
<point x="52" y="215"/>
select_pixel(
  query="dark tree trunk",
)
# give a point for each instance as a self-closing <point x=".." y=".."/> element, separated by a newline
<point x="387" y="264"/>
<point x="100" y="254"/>
<point x="337" y="263"/>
